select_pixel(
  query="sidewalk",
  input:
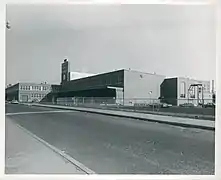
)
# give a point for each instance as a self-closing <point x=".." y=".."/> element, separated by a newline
<point x="184" y="115"/>
<point x="26" y="155"/>
<point x="179" y="121"/>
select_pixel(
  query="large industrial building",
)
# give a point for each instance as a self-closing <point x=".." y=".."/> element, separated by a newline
<point x="126" y="87"/>
<point x="121" y="86"/>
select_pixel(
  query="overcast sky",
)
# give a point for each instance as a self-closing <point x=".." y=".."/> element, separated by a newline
<point x="168" y="40"/>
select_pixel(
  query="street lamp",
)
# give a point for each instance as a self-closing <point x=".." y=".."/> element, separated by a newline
<point x="150" y="92"/>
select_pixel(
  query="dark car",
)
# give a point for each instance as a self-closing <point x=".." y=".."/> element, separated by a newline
<point x="187" y="105"/>
<point x="210" y="105"/>
<point x="154" y="105"/>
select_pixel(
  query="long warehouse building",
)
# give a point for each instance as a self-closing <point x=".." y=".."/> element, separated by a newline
<point x="120" y="86"/>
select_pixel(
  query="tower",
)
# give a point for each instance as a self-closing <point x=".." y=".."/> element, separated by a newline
<point x="65" y="71"/>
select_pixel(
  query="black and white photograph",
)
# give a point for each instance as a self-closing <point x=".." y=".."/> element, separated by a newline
<point x="110" y="89"/>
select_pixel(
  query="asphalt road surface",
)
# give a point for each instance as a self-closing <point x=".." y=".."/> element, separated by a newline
<point x="108" y="144"/>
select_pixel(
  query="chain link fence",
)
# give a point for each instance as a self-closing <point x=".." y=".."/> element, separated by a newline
<point x="143" y="105"/>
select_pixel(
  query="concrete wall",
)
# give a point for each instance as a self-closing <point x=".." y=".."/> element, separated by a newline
<point x="137" y="87"/>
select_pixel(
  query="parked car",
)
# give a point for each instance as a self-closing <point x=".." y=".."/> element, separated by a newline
<point x="160" y="105"/>
<point x="165" y="105"/>
<point x="187" y="105"/>
<point x="210" y="105"/>
<point x="14" y="102"/>
<point x="154" y="105"/>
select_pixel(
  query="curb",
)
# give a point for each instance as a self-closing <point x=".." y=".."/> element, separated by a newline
<point x="197" y="117"/>
<point x="137" y="118"/>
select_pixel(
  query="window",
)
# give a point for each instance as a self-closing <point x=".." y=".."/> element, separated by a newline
<point x="182" y="95"/>
<point x="182" y="90"/>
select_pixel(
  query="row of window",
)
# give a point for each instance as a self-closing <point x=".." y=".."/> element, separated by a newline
<point x="38" y="88"/>
<point x="38" y="95"/>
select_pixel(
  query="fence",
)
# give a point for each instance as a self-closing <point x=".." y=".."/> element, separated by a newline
<point x="129" y="102"/>
<point x="139" y="105"/>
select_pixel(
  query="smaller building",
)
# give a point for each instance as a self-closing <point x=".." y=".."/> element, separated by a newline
<point x="29" y="92"/>
<point x="180" y="90"/>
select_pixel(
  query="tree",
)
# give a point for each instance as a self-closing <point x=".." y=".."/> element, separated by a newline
<point x="8" y="26"/>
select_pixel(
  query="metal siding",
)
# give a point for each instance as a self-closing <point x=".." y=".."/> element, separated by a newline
<point x="94" y="82"/>
<point x="168" y="91"/>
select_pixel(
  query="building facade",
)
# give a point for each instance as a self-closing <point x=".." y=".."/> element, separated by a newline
<point x="140" y="87"/>
<point x="182" y="90"/>
<point x="121" y="86"/>
<point x="28" y="92"/>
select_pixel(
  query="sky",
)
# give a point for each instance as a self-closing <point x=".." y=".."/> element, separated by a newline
<point x="170" y="40"/>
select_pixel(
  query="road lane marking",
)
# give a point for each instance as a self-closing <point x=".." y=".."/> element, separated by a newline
<point x="37" y="112"/>
<point x="59" y="152"/>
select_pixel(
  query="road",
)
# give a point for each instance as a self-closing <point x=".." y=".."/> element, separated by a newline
<point x="108" y="144"/>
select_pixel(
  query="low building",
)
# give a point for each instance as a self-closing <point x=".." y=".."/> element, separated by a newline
<point x="180" y="90"/>
<point x="28" y="92"/>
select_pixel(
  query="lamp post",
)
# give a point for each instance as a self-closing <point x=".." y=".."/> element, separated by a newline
<point x="150" y="92"/>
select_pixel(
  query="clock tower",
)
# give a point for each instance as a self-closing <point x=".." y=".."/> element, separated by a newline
<point x="65" y="71"/>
